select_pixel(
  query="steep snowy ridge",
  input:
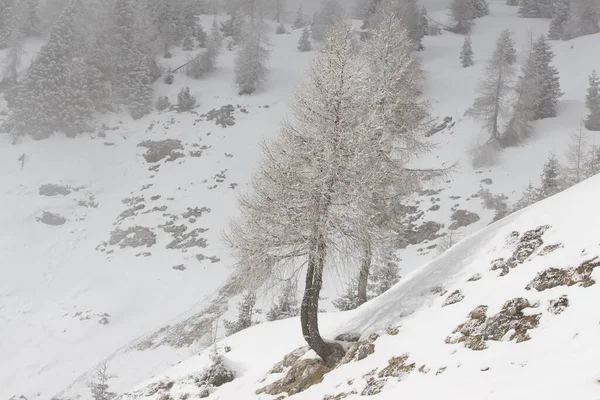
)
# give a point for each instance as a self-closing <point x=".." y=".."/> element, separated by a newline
<point x="70" y="298"/>
<point x="529" y="331"/>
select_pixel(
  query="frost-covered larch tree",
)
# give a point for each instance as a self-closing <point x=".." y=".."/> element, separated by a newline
<point x="578" y="150"/>
<point x="520" y="127"/>
<point x="492" y="104"/>
<point x="310" y="185"/>
<point x="462" y="13"/>
<point x="466" y="53"/>
<point x="547" y="80"/>
<point x="251" y="60"/>
<point x="592" y="101"/>
<point x="560" y="19"/>
<point x="304" y="43"/>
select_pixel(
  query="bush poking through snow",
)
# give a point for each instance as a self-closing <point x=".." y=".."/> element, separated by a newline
<point x="185" y="101"/>
<point x="169" y="77"/>
<point x="163" y="103"/>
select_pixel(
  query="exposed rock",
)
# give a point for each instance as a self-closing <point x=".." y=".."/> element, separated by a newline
<point x="216" y="375"/>
<point x="131" y="212"/>
<point x="158" y="150"/>
<point x="461" y="218"/>
<point x="553" y="277"/>
<point x="358" y="351"/>
<point x="434" y="207"/>
<point x="224" y="116"/>
<point x="49" y="218"/>
<point x="526" y="245"/>
<point x="453" y="298"/>
<point x="550" y="248"/>
<point x="373" y="387"/>
<point x="188" y="240"/>
<point x="438" y="290"/>
<point x="392" y="331"/>
<point x="301" y="375"/>
<point x="135" y="236"/>
<point x="348" y="337"/>
<point x="438" y="128"/>
<point x="397" y="368"/>
<point x="289" y="360"/>
<point x="509" y="324"/>
<point x="557" y="306"/>
<point x="487" y="181"/>
<point x="179" y="267"/>
<point x="51" y="190"/>
<point x="474" y="278"/>
<point x="195" y="212"/>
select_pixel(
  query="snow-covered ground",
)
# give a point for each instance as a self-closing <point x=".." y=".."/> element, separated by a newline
<point x="59" y="285"/>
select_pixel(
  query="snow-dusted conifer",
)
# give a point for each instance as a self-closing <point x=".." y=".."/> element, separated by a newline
<point x="535" y="8"/>
<point x="280" y="30"/>
<point x="246" y="315"/>
<point x="200" y="36"/>
<point x="481" y="8"/>
<point x="287" y="303"/>
<point x="348" y="300"/>
<point x="12" y="34"/>
<point x="560" y="19"/>
<point x="466" y="53"/>
<point x="384" y="276"/>
<point x="304" y="43"/>
<point x="330" y="14"/>
<point x="491" y="106"/>
<point x="251" y="60"/>
<point x="188" y="42"/>
<point x="99" y="388"/>
<point x="550" y="177"/>
<point x="462" y="13"/>
<point x="531" y="195"/>
<point x="319" y="159"/>
<point x="592" y="101"/>
<point x="584" y="18"/>
<point x="547" y="80"/>
<point x="300" y="21"/>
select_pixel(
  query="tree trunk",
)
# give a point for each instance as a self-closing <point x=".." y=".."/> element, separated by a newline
<point x="331" y="353"/>
<point x="363" y="277"/>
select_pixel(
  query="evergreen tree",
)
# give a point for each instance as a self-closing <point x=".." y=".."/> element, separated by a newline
<point x="491" y="105"/>
<point x="185" y="101"/>
<point x="547" y="80"/>
<point x="481" y="8"/>
<point x="409" y="13"/>
<point x="462" y="13"/>
<point x="384" y="276"/>
<point x="12" y="34"/>
<point x="584" y="18"/>
<point x="280" y="30"/>
<point x="592" y="101"/>
<point x="188" y="42"/>
<point x="512" y="2"/>
<point x="560" y="18"/>
<point x="348" y="300"/>
<point x="423" y="23"/>
<point x="531" y="195"/>
<point x="250" y="62"/>
<point x="215" y="36"/>
<point x="52" y="96"/>
<point x="550" y="178"/>
<point x="535" y="8"/>
<point x="506" y="42"/>
<point x="330" y="14"/>
<point x="300" y="21"/>
<point x="304" y="42"/>
<point x="287" y="304"/>
<point x="200" y="35"/>
<point x="466" y="53"/>
<point x="99" y="387"/>
<point x="33" y="22"/>
<point x="246" y="315"/>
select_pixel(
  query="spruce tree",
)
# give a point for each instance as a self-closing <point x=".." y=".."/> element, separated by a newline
<point x="246" y="315"/>
<point x="200" y="36"/>
<point x="287" y="303"/>
<point x="508" y="45"/>
<point x="592" y="102"/>
<point x="33" y="22"/>
<point x="550" y="177"/>
<point x="547" y="80"/>
<point x="348" y="300"/>
<point x="304" y="42"/>
<point x="384" y="276"/>
<point x="481" y="8"/>
<point x="300" y="21"/>
<point x="330" y="14"/>
<point x="535" y="8"/>
<point x="560" y="18"/>
<point x="462" y="13"/>
<point x="49" y="98"/>
<point x="188" y="42"/>
<point x="466" y="53"/>
<point x="584" y="18"/>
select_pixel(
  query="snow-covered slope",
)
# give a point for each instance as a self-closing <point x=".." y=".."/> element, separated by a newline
<point x="508" y="313"/>
<point x="70" y="299"/>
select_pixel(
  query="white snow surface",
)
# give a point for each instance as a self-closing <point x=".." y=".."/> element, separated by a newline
<point x="56" y="282"/>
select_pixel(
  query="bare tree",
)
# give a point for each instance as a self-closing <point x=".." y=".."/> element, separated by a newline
<point x="309" y="186"/>
<point x="99" y="386"/>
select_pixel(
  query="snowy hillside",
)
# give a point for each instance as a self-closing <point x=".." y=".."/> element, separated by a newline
<point x="508" y="313"/>
<point x="111" y="250"/>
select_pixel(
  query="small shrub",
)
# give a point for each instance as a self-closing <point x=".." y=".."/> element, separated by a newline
<point x="185" y="100"/>
<point x="163" y="103"/>
<point x="280" y="30"/>
<point x="169" y="77"/>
